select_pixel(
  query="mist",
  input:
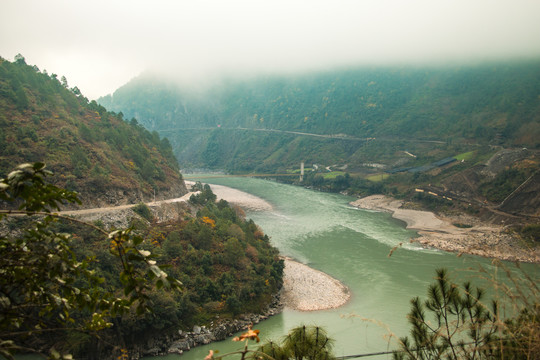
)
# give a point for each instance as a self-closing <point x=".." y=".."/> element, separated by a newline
<point x="101" y="45"/>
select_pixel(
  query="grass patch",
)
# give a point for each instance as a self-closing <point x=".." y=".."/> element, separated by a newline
<point x="378" y="177"/>
<point x="333" y="174"/>
<point x="465" y="156"/>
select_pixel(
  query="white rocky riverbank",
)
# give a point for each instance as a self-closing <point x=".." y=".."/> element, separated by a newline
<point x="237" y="197"/>
<point x="480" y="239"/>
<point x="202" y="335"/>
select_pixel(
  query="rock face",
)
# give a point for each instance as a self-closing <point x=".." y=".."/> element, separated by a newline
<point x="526" y="199"/>
<point x="202" y="335"/>
<point x="119" y="216"/>
<point x="503" y="159"/>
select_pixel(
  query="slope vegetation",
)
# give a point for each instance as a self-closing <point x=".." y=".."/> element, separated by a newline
<point x="107" y="159"/>
<point x="225" y="262"/>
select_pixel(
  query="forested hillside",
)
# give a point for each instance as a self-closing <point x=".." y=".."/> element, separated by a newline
<point x="397" y="109"/>
<point x="225" y="262"/>
<point x="101" y="155"/>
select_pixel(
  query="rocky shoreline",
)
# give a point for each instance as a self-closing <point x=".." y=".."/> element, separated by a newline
<point x="218" y="330"/>
<point x="481" y="239"/>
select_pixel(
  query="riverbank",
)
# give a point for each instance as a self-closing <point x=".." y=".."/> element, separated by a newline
<point x="304" y="289"/>
<point x="437" y="231"/>
<point x="237" y="197"/>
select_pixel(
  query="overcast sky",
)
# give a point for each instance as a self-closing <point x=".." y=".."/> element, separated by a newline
<point x="99" y="45"/>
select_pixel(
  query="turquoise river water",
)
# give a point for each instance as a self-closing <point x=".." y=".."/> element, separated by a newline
<point x="323" y="231"/>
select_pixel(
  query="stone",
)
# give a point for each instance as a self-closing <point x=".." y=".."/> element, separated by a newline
<point x="152" y="351"/>
<point x="179" y="346"/>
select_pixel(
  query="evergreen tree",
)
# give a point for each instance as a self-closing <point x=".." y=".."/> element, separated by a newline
<point x="302" y="342"/>
<point x="455" y="323"/>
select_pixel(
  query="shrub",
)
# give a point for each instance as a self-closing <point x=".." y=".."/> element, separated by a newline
<point x="144" y="211"/>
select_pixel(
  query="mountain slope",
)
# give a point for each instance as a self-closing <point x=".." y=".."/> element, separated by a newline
<point x="495" y="104"/>
<point x="90" y="150"/>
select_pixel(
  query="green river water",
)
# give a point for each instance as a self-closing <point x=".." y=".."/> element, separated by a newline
<point x="323" y="231"/>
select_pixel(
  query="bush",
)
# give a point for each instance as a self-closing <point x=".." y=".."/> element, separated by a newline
<point x="531" y="232"/>
<point x="143" y="211"/>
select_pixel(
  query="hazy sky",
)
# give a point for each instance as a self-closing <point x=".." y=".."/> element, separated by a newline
<point x="101" y="44"/>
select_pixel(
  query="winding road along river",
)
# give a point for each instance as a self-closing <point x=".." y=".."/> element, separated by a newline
<point x="323" y="231"/>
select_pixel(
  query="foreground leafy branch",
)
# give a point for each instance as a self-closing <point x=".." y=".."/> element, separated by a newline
<point x="44" y="288"/>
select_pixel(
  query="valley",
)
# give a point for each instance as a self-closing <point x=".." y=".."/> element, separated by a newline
<point x="269" y="180"/>
<point x="460" y="168"/>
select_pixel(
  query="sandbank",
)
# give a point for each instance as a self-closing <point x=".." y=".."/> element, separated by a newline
<point x="307" y="289"/>
<point x="485" y="240"/>
<point x="237" y="197"/>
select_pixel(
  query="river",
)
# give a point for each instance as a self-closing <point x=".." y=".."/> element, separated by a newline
<point x="323" y="231"/>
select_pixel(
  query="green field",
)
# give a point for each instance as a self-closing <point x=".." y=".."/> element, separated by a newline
<point x="378" y="177"/>
<point x="465" y="156"/>
<point x="333" y="174"/>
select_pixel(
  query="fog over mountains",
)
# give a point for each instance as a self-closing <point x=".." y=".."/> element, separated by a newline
<point x="396" y="108"/>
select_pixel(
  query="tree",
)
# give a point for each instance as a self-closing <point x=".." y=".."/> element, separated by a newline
<point x="203" y="240"/>
<point x="75" y="90"/>
<point x="455" y="323"/>
<point x="21" y="99"/>
<point x="19" y="59"/>
<point x="302" y="342"/>
<point x="44" y="287"/>
<point x="148" y="170"/>
<point x="311" y="342"/>
<point x="204" y="196"/>
<point x="233" y="252"/>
